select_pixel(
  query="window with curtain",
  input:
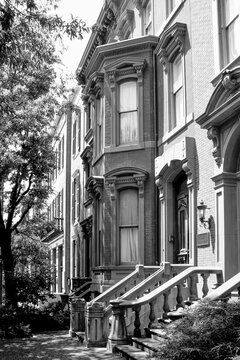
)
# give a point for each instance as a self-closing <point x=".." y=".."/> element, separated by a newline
<point x="128" y="226"/>
<point x="128" y="113"/>
<point x="177" y="113"/>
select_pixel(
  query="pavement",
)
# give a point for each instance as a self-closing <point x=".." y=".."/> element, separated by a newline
<point x="51" y="346"/>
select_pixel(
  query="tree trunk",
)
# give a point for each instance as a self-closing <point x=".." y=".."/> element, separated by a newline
<point x="8" y="269"/>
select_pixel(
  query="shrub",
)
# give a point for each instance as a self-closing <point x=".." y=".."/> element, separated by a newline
<point x="23" y="321"/>
<point x="209" y="332"/>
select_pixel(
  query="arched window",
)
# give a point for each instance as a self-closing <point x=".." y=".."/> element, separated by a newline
<point x="128" y="226"/>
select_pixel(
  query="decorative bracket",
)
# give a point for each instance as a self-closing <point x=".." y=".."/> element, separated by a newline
<point x="214" y="135"/>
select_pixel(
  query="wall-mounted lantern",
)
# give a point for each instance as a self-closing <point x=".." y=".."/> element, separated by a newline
<point x="201" y="215"/>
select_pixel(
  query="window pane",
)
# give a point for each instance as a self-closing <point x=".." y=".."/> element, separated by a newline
<point x="128" y="98"/>
<point x="231" y="10"/>
<point x="129" y="245"/>
<point x="129" y="207"/>
<point x="128" y="221"/>
<point x="177" y="74"/>
<point x="233" y="32"/>
<point x="128" y="127"/>
<point x="178" y="105"/>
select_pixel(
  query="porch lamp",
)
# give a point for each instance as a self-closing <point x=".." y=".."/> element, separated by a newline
<point x="201" y="214"/>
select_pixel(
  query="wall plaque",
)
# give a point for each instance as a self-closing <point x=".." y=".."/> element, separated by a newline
<point x="203" y="239"/>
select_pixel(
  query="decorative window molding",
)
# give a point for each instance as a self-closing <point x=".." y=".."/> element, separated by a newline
<point x="94" y="186"/>
<point x="125" y="24"/>
<point x="117" y="180"/>
<point x="171" y="54"/>
<point x="125" y="69"/>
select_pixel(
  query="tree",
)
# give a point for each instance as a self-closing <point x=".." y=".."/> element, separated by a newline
<point x="29" y="99"/>
<point x="33" y="272"/>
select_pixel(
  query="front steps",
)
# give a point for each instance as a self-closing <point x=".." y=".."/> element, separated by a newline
<point x="144" y="347"/>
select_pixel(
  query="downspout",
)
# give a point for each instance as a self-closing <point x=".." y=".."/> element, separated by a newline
<point x="156" y="194"/>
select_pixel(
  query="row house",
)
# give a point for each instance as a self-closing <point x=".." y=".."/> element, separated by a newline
<point x="153" y="152"/>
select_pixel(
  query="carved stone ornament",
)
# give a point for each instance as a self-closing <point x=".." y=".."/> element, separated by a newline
<point x="214" y="135"/>
<point x="228" y="81"/>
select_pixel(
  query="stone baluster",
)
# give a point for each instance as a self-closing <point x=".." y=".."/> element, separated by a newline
<point x="137" y="323"/>
<point x="152" y="315"/>
<point x="77" y="318"/>
<point x="193" y="288"/>
<point x="205" y="284"/>
<point x="118" y="333"/>
<point x="179" y="297"/>
<point x="166" y="307"/>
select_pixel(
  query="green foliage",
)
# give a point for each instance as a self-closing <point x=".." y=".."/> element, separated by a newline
<point x="30" y="98"/>
<point x="209" y="332"/>
<point x="25" y="321"/>
<point x="33" y="271"/>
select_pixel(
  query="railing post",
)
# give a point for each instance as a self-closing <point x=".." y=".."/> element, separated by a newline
<point x="205" y="284"/>
<point x="152" y="315"/>
<point x="94" y="317"/>
<point x="166" y="307"/>
<point x="137" y="323"/>
<point x="141" y="271"/>
<point x="179" y="297"/>
<point x="77" y="320"/>
<point x="193" y="288"/>
<point x="118" y="333"/>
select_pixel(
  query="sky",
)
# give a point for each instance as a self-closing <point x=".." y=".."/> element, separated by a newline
<point x="88" y="11"/>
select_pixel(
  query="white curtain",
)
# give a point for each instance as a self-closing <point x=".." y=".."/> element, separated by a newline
<point x="129" y="226"/>
<point x="128" y="119"/>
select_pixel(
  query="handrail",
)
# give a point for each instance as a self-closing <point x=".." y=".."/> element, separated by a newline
<point x="225" y="288"/>
<point x="137" y="273"/>
<point x="165" y="287"/>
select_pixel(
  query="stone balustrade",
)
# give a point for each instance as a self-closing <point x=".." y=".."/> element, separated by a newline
<point x="187" y="277"/>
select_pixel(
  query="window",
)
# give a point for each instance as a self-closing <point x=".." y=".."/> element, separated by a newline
<point x="100" y="124"/>
<point x="126" y="79"/>
<point x="148" y="19"/>
<point x="76" y="133"/>
<point x="128" y="113"/>
<point x="171" y="5"/>
<point x="74" y="137"/>
<point x="171" y="52"/>
<point x="54" y="274"/>
<point x="177" y="98"/>
<point x="230" y="29"/>
<point x="76" y="198"/>
<point x="128" y="226"/>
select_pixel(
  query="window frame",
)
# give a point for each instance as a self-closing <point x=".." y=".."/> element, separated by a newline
<point x="119" y="113"/>
<point x="127" y="226"/>
<point x="122" y="70"/>
<point x="223" y="37"/>
<point x="171" y="48"/>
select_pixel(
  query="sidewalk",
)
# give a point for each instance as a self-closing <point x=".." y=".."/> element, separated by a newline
<point x="50" y="346"/>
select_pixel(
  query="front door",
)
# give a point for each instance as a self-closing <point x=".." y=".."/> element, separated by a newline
<point x="181" y="243"/>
